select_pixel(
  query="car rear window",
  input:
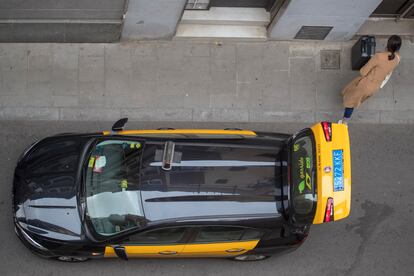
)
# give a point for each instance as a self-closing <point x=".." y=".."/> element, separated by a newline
<point x="303" y="176"/>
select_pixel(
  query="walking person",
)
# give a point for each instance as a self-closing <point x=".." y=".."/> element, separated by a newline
<point x="373" y="76"/>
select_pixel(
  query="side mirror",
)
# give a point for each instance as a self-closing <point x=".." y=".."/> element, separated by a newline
<point x="121" y="252"/>
<point x="119" y="125"/>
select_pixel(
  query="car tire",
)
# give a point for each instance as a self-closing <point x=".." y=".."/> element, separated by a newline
<point x="250" y="258"/>
<point x="69" y="259"/>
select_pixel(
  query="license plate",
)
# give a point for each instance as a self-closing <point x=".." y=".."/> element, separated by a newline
<point x="338" y="170"/>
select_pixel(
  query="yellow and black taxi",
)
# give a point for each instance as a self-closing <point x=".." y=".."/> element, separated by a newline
<point x="171" y="193"/>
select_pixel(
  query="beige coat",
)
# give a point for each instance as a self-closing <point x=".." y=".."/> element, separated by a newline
<point x="370" y="80"/>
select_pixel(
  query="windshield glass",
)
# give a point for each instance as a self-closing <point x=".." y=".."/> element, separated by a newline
<point x="112" y="187"/>
<point x="303" y="177"/>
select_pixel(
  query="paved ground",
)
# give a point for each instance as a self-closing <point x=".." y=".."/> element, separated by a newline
<point x="191" y="81"/>
<point x="377" y="238"/>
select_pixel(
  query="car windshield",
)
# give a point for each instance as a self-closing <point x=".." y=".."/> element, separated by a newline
<point x="303" y="177"/>
<point x="112" y="187"/>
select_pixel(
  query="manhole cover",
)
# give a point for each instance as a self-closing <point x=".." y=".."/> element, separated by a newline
<point x="330" y="59"/>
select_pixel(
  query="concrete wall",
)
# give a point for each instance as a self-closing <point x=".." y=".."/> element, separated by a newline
<point x="387" y="26"/>
<point x="61" y="20"/>
<point x="155" y="19"/>
<point x="62" y="9"/>
<point x="346" y="17"/>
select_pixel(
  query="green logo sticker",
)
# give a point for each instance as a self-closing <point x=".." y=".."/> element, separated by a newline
<point x="296" y="147"/>
<point x="308" y="181"/>
<point x="301" y="186"/>
<point x="308" y="162"/>
<point x="301" y="166"/>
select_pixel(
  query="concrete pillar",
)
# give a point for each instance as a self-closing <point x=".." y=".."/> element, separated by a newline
<point x="155" y="19"/>
<point x="346" y="17"/>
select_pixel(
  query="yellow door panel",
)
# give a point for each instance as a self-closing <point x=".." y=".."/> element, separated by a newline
<point x="219" y="249"/>
<point x="147" y="251"/>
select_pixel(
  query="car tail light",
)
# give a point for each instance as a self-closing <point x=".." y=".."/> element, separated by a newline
<point x="329" y="214"/>
<point x="327" y="130"/>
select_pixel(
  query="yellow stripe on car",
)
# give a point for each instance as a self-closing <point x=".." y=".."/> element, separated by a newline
<point x="324" y="162"/>
<point x="219" y="249"/>
<point x="136" y="251"/>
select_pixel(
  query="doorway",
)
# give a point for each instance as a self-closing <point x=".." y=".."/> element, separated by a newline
<point x="242" y="19"/>
<point x="395" y="9"/>
<point x="266" y="4"/>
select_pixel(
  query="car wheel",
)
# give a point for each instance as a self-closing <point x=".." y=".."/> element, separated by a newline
<point x="249" y="258"/>
<point x="71" y="259"/>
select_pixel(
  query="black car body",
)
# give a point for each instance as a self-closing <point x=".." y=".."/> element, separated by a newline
<point x="191" y="195"/>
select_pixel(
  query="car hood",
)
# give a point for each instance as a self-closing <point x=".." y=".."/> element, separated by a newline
<point x="45" y="189"/>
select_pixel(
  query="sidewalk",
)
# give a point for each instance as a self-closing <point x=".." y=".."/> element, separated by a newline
<point x="192" y="81"/>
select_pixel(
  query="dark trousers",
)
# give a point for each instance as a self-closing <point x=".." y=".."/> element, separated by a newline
<point x="348" y="112"/>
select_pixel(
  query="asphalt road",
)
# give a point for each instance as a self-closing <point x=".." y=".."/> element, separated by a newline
<point x="377" y="238"/>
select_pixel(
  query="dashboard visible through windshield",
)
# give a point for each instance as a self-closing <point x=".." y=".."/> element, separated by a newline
<point x="112" y="187"/>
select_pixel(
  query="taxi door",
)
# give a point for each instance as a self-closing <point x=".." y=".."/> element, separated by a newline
<point x="160" y="243"/>
<point x="221" y="241"/>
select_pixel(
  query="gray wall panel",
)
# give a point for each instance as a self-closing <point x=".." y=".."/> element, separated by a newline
<point x="88" y="33"/>
<point x="38" y="32"/>
<point x="61" y="20"/>
<point x="59" y="33"/>
<point x="62" y="4"/>
<point x="155" y="19"/>
<point x="61" y="14"/>
<point x="355" y="8"/>
<point x="345" y="16"/>
<point x="6" y="33"/>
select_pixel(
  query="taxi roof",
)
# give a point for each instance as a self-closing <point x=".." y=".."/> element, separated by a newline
<point x="211" y="180"/>
<point x="176" y="205"/>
